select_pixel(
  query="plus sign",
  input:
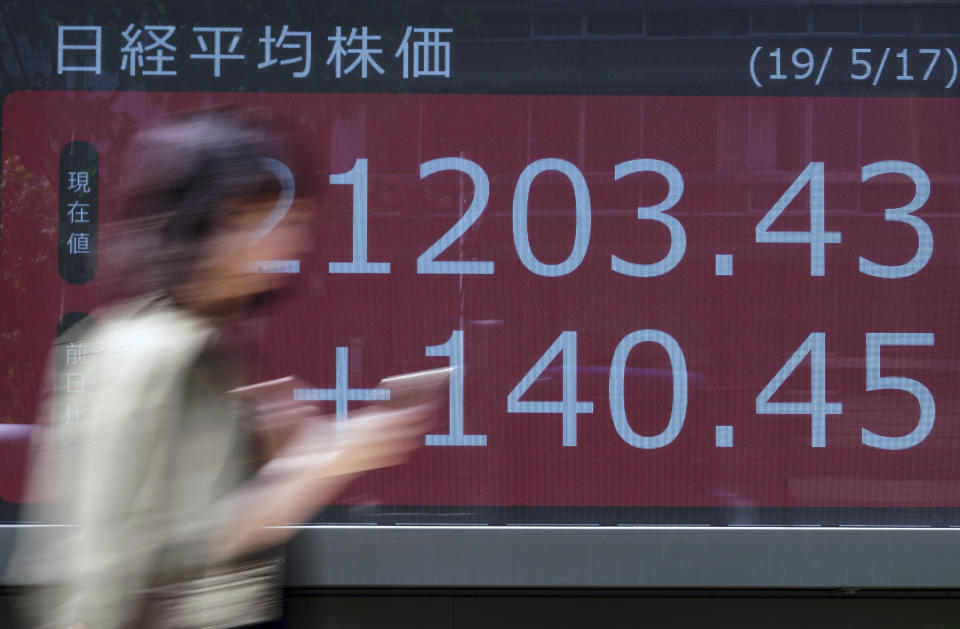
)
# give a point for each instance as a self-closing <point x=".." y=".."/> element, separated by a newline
<point x="342" y="394"/>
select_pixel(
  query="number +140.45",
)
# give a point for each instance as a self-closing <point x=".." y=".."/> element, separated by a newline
<point x="569" y="406"/>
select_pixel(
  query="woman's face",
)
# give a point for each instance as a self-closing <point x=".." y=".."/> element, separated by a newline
<point x="227" y="275"/>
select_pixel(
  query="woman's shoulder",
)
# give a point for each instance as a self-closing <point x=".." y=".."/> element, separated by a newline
<point x="148" y="331"/>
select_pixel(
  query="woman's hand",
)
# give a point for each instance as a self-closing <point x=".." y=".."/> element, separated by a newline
<point x="369" y="439"/>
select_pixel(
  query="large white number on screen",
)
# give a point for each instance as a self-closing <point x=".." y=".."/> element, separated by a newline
<point x="678" y="237"/>
<point x="280" y="209"/>
<point x="903" y="215"/>
<point x="679" y="368"/>
<point x="816" y="237"/>
<point x="569" y="406"/>
<point x="287" y="192"/>
<point x="454" y="437"/>
<point x="817" y="408"/>
<point x="427" y="262"/>
<point x="876" y="382"/>
<point x="521" y="237"/>
<point x="357" y="177"/>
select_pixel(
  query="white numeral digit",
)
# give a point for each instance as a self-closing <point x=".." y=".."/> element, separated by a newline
<point x="357" y="177"/>
<point x="816" y="237"/>
<point x="454" y="437"/>
<point x="817" y="407"/>
<point x="521" y="237"/>
<point x="863" y="63"/>
<point x="905" y="75"/>
<point x="427" y="262"/>
<point x="876" y="382"/>
<point x="678" y="237"/>
<point x="903" y="215"/>
<point x="776" y="57"/>
<point x="935" y="54"/>
<point x="569" y="407"/>
<point x="617" y="409"/>
<point x="807" y="66"/>
<point x="287" y="193"/>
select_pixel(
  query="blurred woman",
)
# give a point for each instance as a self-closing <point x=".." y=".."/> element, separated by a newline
<point x="168" y="478"/>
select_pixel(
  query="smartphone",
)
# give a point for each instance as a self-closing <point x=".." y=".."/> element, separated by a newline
<point x="278" y="416"/>
<point x="417" y="387"/>
<point x="267" y="389"/>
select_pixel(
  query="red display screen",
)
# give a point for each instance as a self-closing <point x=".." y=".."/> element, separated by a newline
<point x="653" y="301"/>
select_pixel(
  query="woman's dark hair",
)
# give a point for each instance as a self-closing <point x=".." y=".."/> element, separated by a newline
<point x="181" y="171"/>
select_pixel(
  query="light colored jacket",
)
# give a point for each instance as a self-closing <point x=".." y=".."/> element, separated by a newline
<point x="143" y="482"/>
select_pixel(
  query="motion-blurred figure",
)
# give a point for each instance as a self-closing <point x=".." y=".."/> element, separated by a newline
<point x="169" y="479"/>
